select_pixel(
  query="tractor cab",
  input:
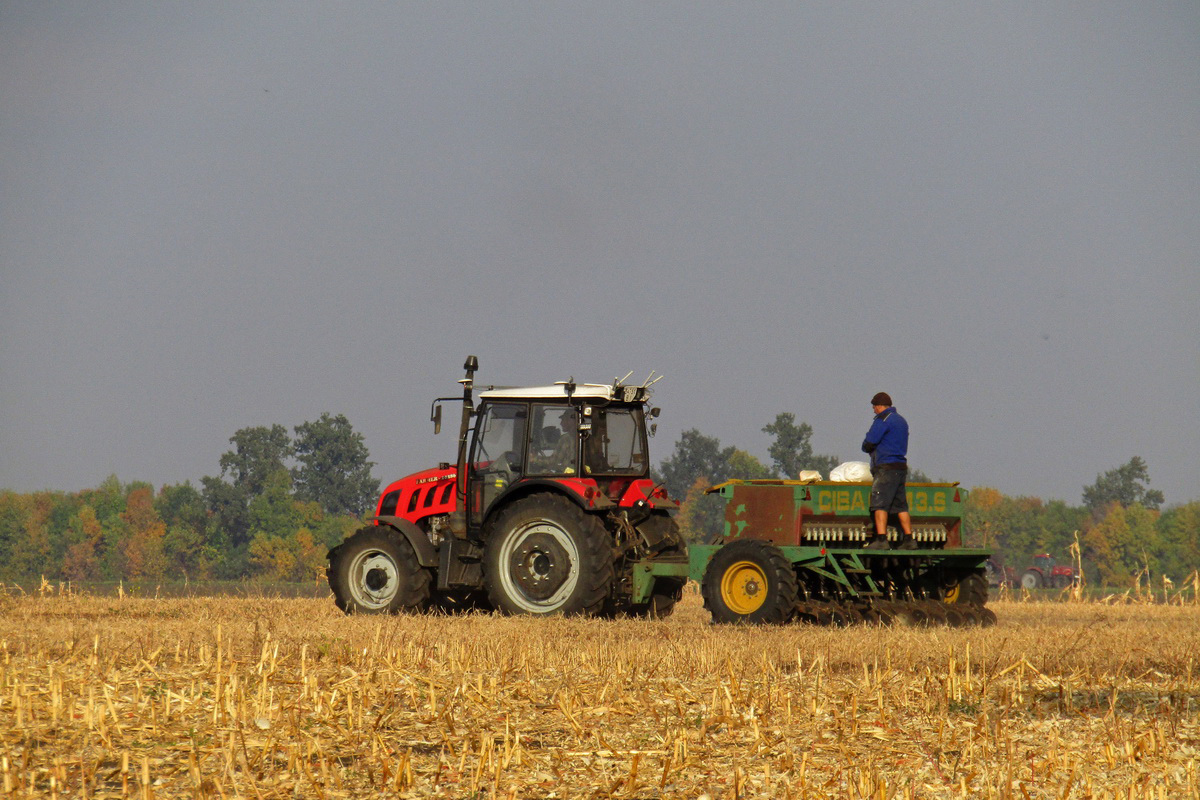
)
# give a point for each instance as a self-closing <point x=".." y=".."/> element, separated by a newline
<point x="589" y="440"/>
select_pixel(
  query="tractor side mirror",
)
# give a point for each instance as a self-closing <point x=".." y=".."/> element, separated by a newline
<point x="654" y="412"/>
<point x="437" y="420"/>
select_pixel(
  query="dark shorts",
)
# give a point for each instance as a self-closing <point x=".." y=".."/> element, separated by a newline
<point x="887" y="492"/>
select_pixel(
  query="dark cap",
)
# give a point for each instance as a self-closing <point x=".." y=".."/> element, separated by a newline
<point x="881" y="399"/>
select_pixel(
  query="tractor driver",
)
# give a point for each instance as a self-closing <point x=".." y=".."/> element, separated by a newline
<point x="562" y="458"/>
<point x="887" y="443"/>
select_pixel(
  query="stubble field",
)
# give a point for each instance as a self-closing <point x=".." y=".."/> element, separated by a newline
<point x="272" y="698"/>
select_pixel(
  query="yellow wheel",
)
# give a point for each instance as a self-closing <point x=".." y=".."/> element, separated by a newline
<point x="744" y="587"/>
<point x="750" y="581"/>
<point x="969" y="590"/>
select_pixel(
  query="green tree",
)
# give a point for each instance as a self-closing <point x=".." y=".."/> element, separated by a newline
<point x="982" y="524"/>
<point x="258" y="453"/>
<point x="916" y="476"/>
<point x="12" y="517"/>
<point x="85" y="539"/>
<point x="791" y="449"/>
<point x="333" y="469"/>
<point x="32" y="554"/>
<point x="1123" y="542"/>
<point x="1058" y="523"/>
<point x="229" y="515"/>
<point x="275" y="512"/>
<point x="701" y="515"/>
<point x="744" y="466"/>
<point x="281" y="543"/>
<point x="1179" y="533"/>
<point x="183" y="505"/>
<point x="1125" y="485"/>
<point x="185" y="515"/>
<point x="696" y="456"/>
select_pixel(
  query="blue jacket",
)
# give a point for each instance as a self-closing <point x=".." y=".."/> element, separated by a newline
<point x="887" y="440"/>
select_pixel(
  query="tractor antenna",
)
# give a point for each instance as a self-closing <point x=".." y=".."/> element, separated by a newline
<point x="648" y="383"/>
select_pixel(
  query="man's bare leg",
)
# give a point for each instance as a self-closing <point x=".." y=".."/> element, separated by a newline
<point x="879" y="541"/>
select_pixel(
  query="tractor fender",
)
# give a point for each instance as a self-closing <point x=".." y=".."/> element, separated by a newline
<point x="427" y="555"/>
<point x="528" y="487"/>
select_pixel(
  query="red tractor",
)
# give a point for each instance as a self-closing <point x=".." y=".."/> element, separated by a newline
<point x="549" y="509"/>
<point x="1046" y="574"/>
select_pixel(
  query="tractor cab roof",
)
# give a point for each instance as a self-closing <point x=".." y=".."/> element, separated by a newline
<point x="599" y="392"/>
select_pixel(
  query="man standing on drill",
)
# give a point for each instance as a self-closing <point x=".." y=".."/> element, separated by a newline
<point x="887" y="443"/>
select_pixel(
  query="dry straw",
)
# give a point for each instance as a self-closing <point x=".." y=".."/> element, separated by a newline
<point x="273" y="698"/>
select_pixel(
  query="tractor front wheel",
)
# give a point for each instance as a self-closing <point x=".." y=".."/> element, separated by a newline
<point x="375" y="571"/>
<point x="545" y="555"/>
<point x="749" y="581"/>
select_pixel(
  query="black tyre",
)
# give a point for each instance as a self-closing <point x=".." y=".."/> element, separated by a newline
<point x="971" y="590"/>
<point x="545" y="555"/>
<point x="1032" y="579"/>
<point x="1061" y="581"/>
<point x="906" y="615"/>
<point x="749" y="581"/>
<point x="375" y="571"/>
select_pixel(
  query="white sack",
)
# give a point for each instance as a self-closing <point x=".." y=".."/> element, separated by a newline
<point x="851" y="472"/>
<point x="809" y="475"/>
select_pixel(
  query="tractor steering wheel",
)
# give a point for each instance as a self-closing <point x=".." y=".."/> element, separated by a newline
<point x="505" y="466"/>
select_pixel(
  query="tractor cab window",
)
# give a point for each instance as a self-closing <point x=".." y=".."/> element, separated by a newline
<point x="617" y="444"/>
<point x="496" y="455"/>
<point x="553" y="440"/>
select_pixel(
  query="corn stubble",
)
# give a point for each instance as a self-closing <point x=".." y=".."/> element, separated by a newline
<point x="273" y="698"/>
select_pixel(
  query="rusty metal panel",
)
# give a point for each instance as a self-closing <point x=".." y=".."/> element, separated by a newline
<point x="766" y="512"/>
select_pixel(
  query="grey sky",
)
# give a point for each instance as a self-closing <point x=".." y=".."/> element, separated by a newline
<point x="221" y="215"/>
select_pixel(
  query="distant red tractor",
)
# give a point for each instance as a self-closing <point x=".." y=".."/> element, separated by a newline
<point x="1045" y="574"/>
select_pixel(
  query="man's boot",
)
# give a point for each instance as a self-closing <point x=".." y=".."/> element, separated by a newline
<point x="907" y="543"/>
<point x="878" y="543"/>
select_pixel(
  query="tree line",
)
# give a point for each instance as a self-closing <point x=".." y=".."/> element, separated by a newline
<point x="274" y="510"/>
<point x="281" y="500"/>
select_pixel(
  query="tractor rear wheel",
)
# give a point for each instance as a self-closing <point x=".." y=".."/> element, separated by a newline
<point x="1032" y="579"/>
<point x="545" y="555"/>
<point x="749" y="581"/>
<point x="375" y="571"/>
